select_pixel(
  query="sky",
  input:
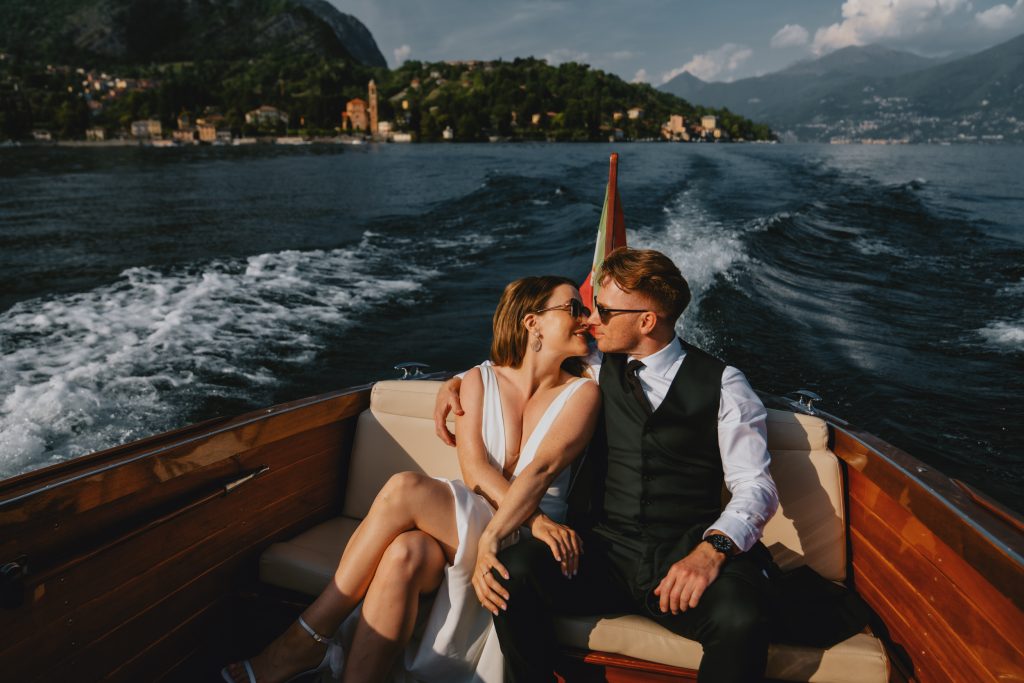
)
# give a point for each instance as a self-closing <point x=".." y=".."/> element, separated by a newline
<point x="654" y="40"/>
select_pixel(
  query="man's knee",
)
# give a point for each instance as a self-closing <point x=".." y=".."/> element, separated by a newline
<point x="736" y="611"/>
<point x="522" y="561"/>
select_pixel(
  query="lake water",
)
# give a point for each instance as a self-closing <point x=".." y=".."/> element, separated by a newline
<point x="145" y="289"/>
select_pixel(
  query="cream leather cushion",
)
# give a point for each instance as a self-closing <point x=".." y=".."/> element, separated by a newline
<point x="856" y="660"/>
<point x="810" y="525"/>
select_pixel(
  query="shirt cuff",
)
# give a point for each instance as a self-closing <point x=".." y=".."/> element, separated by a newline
<point x="741" y="532"/>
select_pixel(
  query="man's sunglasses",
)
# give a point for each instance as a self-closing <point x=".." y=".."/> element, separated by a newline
<point x="606" y="313"/>
<point x="573" y="307"/>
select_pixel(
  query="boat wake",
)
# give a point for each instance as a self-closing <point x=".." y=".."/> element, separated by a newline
<point x="87" y="371"/>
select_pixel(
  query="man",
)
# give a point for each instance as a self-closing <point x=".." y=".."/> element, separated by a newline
<point x="677" y="423"/>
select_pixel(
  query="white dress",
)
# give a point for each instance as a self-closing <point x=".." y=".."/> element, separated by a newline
<point x="458" y="642"/>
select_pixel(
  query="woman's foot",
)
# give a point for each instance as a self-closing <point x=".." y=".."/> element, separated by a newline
<point x="293" y="653"/>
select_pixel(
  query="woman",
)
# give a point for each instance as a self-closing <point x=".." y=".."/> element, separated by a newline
<point x="527" y="416"/>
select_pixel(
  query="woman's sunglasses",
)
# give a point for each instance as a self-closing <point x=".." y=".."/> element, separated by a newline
<point x="573" y="307"/>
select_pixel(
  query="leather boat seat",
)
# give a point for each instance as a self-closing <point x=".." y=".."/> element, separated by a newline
<point x="397" y="434"/>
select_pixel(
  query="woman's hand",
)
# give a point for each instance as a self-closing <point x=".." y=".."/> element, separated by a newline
<point x="447" y="401"/>
<point x="492" y="595"/>
<point x="565" y="544"/>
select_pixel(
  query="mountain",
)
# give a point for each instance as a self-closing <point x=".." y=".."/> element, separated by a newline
<point x="875" y="92"/>
<point x="113" y="32"/>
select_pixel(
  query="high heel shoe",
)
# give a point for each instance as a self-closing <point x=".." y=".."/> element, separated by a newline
<point x="334" y="653"/>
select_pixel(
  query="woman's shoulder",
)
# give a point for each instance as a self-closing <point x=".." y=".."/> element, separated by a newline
<point x="583" y="386"/>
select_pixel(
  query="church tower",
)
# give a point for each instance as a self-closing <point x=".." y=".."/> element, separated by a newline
<point x="373" y="107"/>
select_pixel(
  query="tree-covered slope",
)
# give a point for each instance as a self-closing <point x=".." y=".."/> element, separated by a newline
<point x="108" y="33"/>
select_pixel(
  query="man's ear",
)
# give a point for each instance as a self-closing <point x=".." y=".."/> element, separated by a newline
<point x="648" y="321"/>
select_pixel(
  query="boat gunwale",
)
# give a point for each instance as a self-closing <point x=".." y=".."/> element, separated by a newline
<point x="152" y="446"/>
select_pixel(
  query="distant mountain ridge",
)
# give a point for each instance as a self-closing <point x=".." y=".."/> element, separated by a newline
<point x="143" y="31"/>
<point x="876" y="92"/>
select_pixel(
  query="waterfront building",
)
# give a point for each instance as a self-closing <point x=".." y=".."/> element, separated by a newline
<point x="207" y="131"/>
<point x="96" y="133"/>
<point x="449" y="134"/>
<point x="355" y="116"/>
<point x="384" y="129"/>
<point x="186" y="136"/>
<point x="675" y="128"/>
<point x="145" y="129"/>
<point x="265" y="115"/>
<point x="401" y="137"/>
<point x="709" y="123"/>
<point x="635" y="113"/>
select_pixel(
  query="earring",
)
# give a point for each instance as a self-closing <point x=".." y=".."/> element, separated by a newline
<point x="536" y="342"/>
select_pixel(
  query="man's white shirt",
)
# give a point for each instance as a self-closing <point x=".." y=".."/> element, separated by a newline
<point x="742" y="441"/>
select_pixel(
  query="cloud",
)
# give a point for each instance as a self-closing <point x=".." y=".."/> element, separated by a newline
<point x="868" y="21"/>
<point x="641" y="77"/>
<point x="402" y="54"/>
<point x="622" y="55"/>
<point x="563" y="55"/>
<point x="707" y="66"/>
<point x="790" y="35"/>
<point x="997" y="17"/>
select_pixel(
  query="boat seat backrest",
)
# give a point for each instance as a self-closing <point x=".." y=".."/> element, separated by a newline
<point x="396" y="434"/>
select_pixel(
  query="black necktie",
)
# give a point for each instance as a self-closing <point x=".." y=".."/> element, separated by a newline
<point x="633" y="382"/>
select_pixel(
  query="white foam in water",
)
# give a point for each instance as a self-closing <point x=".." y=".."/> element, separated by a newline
<point x="1005" y="335"/>
<point x="87" y="371"/>
<point x="703" y="247"/>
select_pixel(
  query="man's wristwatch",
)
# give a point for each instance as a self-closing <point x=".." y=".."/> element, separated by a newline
<point x="722" y="544"/>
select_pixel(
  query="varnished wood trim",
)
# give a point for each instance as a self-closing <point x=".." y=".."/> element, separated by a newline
<point x="181" y="450"/>
<point x="993" y="547"/>
<point x="947" y="580"/>
<point x="589" y="665"/>
<point x="83" y="594"/>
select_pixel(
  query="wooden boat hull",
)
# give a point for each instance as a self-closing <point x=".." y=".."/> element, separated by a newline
<point x="141" y="561"/>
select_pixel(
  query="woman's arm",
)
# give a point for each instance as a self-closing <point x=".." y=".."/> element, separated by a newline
<point x="565" y="440"/>
<point x="561" y="445"/>
<point x="479" y="475"/>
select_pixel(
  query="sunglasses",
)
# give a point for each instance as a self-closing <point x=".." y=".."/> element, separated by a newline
<point x="573" y="307"/>
<point x="606" y="313"/>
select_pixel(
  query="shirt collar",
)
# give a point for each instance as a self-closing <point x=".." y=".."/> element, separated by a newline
<point x="661" y="361"/>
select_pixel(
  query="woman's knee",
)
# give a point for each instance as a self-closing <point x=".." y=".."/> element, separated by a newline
<point x="412" y="557"/>
<point x="401" y="487"/>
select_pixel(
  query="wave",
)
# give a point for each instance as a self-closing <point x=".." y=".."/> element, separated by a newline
<point x="704" y="248"/>
<point x="88" y="371"/>
<point x="1004" y="335"/>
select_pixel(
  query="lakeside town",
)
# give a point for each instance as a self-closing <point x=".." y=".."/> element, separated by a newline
<point x="421" y="105"/>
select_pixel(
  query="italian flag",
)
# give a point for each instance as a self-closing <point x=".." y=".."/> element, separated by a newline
<point x="611" y="232"/>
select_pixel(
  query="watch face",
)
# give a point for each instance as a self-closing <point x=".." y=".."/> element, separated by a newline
<point x="720" y="543"/>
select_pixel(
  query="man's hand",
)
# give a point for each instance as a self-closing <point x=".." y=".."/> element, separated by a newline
<point x="687" y="579"/>
<point x="566" y="545"/>
<point x="491" y="594"/>
<point x="447" y="401"/>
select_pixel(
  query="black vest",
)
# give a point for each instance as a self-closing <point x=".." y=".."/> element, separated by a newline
<point x="658" y="483"/>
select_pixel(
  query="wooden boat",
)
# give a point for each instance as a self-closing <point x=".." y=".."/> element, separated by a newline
<point x="162" y="559"/>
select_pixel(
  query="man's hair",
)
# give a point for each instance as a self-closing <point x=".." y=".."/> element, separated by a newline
<point x="520" y="298"/>
<point x="652" y="274"/>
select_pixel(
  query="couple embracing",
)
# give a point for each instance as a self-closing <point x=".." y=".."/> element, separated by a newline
<point x="666" y="425"/>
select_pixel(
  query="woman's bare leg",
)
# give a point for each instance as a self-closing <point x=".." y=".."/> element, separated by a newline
<point x="413" y="565"/>
<point x="408" y="501"/>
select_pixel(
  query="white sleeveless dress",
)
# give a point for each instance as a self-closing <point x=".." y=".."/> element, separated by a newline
<point x="458" y="642"/>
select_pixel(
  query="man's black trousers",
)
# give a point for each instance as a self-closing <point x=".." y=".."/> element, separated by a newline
<point x="730" y="621"/>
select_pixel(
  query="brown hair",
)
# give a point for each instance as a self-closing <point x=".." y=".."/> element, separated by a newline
<point x="652" y="274"/>
<point x="520" y="298"/>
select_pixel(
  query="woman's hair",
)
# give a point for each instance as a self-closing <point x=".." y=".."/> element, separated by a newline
<point x="520" y="298"/>
<point x="651" y="274"/>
